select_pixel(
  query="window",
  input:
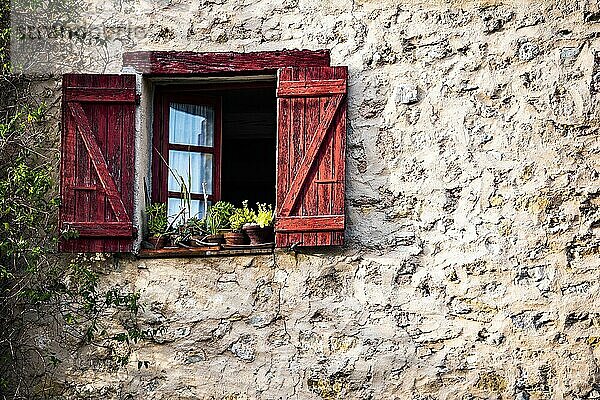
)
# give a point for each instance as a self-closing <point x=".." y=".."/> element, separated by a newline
<point x="103" y="164"/>
<point x="222" y="135"/>
<point x="187" y="151"/>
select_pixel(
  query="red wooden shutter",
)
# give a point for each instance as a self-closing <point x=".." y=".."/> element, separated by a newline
<point x="97" y="164"/>
<point x="311" y="141"/>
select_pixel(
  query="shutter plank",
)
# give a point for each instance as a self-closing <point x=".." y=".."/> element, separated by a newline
<point x="296" y="140"/>
<point x="283" y="153"/>
<point x="95" y="94"/>
<point x="101" y="229"/>
<point x="113" y="149"/>
<point x="82" y="203"/>
<point x="338" y="150"/>
<point x="325" y="86"/>
<point x="100" y="116"/>
<point x="283" y="159"/>
<point x="324" y="190"/>
<point x="318" y="223"/>
<point x="93" y="195"/>
<point x="128" y="154"/>
<point x="313" y="88"/>
<point x="67" y="173"/>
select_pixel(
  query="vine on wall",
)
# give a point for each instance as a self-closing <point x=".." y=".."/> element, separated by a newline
<point x="48" y="301"/>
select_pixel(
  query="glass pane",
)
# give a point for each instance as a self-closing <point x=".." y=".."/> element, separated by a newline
<point x="193" y="168"/>
<point x="174" y="210"/>
<point x="191" y="124"/>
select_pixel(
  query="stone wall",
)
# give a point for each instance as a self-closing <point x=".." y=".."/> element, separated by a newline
<point x="473" y="203"/>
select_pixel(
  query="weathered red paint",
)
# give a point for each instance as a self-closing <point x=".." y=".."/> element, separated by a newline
<point x="311" y="156"/>
<point x="95" y="95"/>
<point x="97" y="164"/>
<point x="310" y="224"/>
<point x="102" y="229"/>
<point x="311" y="88"/>
<point x="185" y="62"/>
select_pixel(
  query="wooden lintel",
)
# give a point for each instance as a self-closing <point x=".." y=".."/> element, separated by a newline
<point x="186" y="62"/>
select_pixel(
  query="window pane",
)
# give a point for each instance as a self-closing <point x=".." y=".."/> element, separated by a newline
<point x="193" y="168"/>
<point x="191" y="124"/>
<point x="174" y="206"/>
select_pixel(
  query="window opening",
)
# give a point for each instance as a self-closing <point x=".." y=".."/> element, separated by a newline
<point x="219" y="134"/>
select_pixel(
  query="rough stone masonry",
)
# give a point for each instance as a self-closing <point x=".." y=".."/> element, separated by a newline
<point x="471" y="269"/>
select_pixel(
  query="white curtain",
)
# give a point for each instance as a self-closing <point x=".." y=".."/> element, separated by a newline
<point x="191" y="124"/>
<point x="193" y="168"/>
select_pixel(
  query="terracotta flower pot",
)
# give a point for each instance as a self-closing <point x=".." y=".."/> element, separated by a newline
<point x="259" y="235"/>
<point x="235" y="238"/>
<point x="158" y="241"/>
<point x="214" y="239"/>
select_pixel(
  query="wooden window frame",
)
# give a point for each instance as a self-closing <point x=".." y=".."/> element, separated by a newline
<point x="161" y="145"/>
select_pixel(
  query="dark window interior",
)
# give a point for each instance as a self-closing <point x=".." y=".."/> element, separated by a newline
<point x="248" y="155"/>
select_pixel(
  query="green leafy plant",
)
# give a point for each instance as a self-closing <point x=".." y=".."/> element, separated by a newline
<point x="241" y="216"/>
<point x="265" y="215"/>
<point x="157" y="219"/>
<point x="218" y="215"/>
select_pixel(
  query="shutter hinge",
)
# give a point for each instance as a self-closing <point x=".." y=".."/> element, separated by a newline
<point x="134" y="233"/>
<point x="138" y="99"/>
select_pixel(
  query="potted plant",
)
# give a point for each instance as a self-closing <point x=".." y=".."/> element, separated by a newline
<point x="196" y="230"/>
<point x="188" y="233"/>
<point x="241" y="216"/>
<point x="156" y="214"/>
<point x="181" y="236"/>
<point x="261" y="230"/>
<point x="216" y="221"/>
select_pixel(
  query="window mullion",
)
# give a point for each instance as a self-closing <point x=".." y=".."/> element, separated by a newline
<point x="191" y="149"/>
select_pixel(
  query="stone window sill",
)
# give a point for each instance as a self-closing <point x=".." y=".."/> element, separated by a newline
<point x="207" y="251"/>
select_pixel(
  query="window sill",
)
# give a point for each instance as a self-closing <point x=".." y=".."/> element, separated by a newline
<point x="208" y="251"/>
